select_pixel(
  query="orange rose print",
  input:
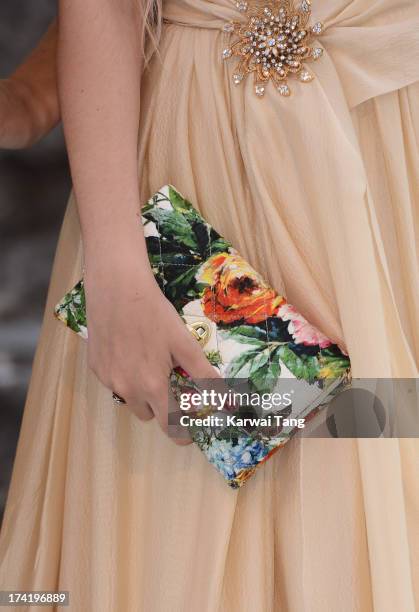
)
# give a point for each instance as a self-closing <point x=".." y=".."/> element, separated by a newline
<point x="236" y="291"/>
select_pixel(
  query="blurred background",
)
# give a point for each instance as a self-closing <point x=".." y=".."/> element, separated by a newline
<point x="34" y="187"/>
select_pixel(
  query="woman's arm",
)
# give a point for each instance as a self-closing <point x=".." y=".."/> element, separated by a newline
<point x="29" y="106"/>
<point x="100" y="65"/>
<point x="135" y="335"/>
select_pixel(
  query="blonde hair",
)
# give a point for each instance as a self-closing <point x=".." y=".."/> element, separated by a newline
<point x="152" y="22"/>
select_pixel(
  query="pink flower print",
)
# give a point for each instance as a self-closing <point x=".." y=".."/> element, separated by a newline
<point x="300" y="329"/>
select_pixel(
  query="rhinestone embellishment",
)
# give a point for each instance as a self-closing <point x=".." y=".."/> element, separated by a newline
<point x="305" y="76"/>
<point x="273" y="42"/>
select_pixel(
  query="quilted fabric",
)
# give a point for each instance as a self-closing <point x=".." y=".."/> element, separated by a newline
<point x="252" y="335"/>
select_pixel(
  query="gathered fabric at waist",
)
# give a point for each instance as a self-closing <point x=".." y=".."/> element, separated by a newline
<point x="206" y="25"/>
<point x="200" y="14"/>
<point x="374" y="44"/>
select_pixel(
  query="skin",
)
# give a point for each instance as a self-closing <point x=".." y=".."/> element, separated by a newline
<point x="135" y="334"/>
<point x="29" y="106"/>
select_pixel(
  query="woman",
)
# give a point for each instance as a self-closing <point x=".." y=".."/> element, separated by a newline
<point x="319" y="191"/>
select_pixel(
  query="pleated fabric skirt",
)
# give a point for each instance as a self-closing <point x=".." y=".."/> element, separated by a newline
<point x="320" y="192"/>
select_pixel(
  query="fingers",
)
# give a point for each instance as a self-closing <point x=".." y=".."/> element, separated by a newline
<point x="152" y="401"/>
<point x="141" y="411"/>
<point x="161" y="403"/>
<point x="166" y="410"/>
<point x="190" y="356"/>
<point x="140" y="408"/>
<point x="178" y="433"/>
<point x="207" y="378"/>
<point x="158" y="408"/>
<point x="153" y="397"/>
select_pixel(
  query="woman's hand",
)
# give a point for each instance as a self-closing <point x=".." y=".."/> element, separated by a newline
<point x="29" y="106"/>
<point x="136" y="336"/>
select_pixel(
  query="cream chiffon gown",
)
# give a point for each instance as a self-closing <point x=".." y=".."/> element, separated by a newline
<point x="320" y="191"/>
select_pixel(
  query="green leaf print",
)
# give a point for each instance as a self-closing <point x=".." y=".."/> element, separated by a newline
<point x="265" y="378"/>
<point x="246" y="334"/>
<point x="333" y="366"/>
<point x="214" y="357"/>
<point x="181" y="287"/>
<point x="179" y="203"/>
<point x="260" y="360"/>
<point x="72" y="321"/>
<point x="258" y="366"/>
<point x="218" y="245"/>
<point x="264" y="372"/>
<point x="174" y="226"/>
<point x="303" y="367"/>
<point x="72" y="308"/>
<point x="241" y="363"/>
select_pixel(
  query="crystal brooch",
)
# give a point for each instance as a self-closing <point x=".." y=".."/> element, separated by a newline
<point x="274" y="41"/>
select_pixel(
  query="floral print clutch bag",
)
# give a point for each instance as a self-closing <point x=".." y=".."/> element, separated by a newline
<point x="248" y="332"/>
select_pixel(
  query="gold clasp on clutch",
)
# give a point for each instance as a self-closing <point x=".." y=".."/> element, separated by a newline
<point x="201" y="331"/>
